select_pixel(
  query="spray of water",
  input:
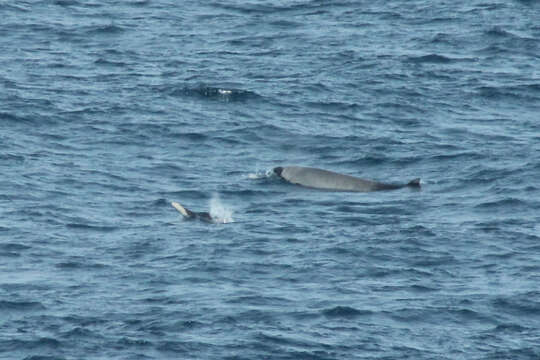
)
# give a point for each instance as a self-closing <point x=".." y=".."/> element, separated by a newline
<point x="260" y="174"/>
<point x="219" y="211"/>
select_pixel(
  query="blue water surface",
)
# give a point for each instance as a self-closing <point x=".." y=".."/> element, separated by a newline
<point x="111" y="110"/>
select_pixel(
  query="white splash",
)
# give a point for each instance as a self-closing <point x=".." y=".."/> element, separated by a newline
<point x="261" y="174"/>
<point x="220" y="212"/>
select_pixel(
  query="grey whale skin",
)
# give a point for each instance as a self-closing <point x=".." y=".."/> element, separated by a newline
<point x="329" y="180"/>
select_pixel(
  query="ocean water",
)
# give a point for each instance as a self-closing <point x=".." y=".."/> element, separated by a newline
<point x="110" y="110"/>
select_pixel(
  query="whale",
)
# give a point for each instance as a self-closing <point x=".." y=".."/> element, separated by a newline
<point x="331" y="181"/>
<point x="192" y="215"/>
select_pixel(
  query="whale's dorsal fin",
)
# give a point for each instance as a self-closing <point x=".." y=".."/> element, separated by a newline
<point x="414" y="183"/>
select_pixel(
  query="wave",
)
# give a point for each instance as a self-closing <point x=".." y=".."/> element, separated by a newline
<point x="523" y="304"/>
<point x="4" y="116"/>
<point x="434" y="315"/>
<point x="498" y="31"/>
<point x="13" y="247"/>
<point x="108" y="29"/>
<point x="45" y="344"/>
<point x="345" y="312"/>
<point x="521" y="91"/>
<point x="21" y="305"/>
<point x="257" y="300"/>
<point x="20" y="6"/>
<point x="437" y="59"/>
<point x="43" y="357"/>
<point x="504" y="204"/>
<point x="108" y="62"/>
<point x="309" y="7"/>
<point x="91" y="227"/>
<point x="83" y="265"/>
<point x="66" y="3"/>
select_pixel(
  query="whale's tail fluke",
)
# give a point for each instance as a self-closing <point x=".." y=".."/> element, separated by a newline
<point x="414" y="183"/>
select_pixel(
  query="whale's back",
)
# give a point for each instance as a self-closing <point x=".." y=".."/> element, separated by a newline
<point x="326" y="180"/>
